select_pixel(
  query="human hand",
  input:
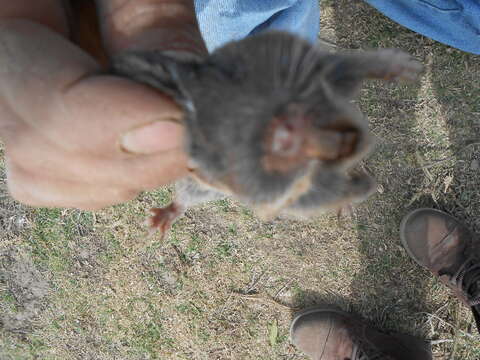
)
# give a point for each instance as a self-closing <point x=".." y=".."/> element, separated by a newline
<point x="74" y="137"/>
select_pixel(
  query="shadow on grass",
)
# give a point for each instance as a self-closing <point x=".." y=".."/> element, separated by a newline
<point x="456" y="82"/>
<point x="391" y="289"/>
<point x="455" y="79"/>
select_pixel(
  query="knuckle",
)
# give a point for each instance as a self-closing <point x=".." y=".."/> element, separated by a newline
<point x="18" y="190"/>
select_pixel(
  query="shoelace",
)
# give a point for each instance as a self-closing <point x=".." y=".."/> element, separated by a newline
<point x="467" y="279"/>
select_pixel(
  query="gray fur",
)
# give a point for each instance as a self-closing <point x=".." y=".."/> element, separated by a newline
<point x="231" y="96"/>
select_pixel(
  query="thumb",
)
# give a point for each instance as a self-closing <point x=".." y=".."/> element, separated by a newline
<point x="145" y="139"/>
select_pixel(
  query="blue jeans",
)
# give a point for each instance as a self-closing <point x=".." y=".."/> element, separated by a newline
<point x="452" y="22"/>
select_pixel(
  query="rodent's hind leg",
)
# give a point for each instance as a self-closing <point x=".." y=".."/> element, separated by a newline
<point x="162" y="219"/>
<point x="188" y="192"/>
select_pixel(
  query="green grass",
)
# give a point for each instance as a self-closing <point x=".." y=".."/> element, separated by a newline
<point x="214" y="288"/>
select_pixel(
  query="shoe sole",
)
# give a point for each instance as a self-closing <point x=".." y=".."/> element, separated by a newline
<point x="403" y="224"/>
<point x="330" y="309"/>
<point x="403" y="338"/>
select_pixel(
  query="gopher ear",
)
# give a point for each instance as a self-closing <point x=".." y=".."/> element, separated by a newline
<point x="158" y="69"/>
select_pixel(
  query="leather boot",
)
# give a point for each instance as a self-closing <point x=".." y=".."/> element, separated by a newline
<point x="441" y="244"/>
<point x="331" y="334"/>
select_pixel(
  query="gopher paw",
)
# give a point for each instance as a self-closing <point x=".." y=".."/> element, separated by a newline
<point x="399" y="65"/>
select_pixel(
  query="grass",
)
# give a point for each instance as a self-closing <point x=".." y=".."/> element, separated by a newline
<point x="224" y="285"/>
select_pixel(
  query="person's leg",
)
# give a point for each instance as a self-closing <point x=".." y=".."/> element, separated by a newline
<point x="227" y="20"/>
<point x="452" y="22"/>
<point x="331" y="334"/>
<point x="441" y="244"/>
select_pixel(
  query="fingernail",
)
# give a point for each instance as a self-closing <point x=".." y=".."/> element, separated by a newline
<point x="152" y="138"/>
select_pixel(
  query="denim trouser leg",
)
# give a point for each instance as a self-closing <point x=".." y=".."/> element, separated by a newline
<point x="452" y="22"/>
<point x="225" y="20"/>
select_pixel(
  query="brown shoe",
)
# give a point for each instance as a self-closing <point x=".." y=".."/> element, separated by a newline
<point x="331" y="334"/>
<point x="441" y="244"/>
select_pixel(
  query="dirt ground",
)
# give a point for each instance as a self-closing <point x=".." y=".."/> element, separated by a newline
<point x="82" y="285"/>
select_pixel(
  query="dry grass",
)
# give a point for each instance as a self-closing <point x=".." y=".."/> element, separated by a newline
<point x="77" y="285"/>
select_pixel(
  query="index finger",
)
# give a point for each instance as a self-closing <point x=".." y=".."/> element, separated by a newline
<point x="49" y="84"/>
<point x="35" y="65"/>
